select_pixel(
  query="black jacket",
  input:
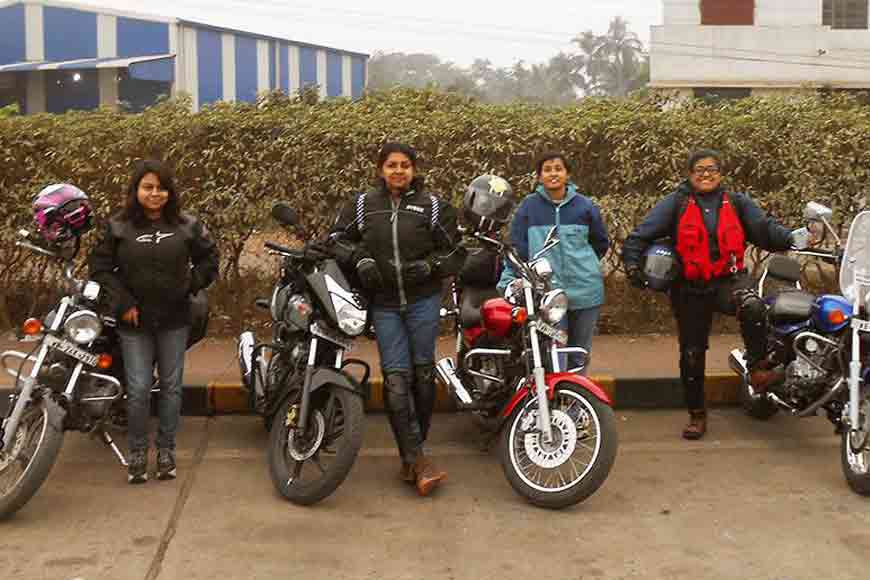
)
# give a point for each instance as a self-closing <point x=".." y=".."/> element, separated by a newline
<point x="155" y="267"/>
<point x="421" y="226"/>
<point x="760" y="228"/>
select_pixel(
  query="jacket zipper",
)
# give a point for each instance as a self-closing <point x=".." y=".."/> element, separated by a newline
<point x="394" y="219"/>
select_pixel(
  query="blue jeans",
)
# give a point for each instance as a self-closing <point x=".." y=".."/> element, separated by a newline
<point x="408" y="338"/>
<point x="580" y="325"/>
<point x="140" y="349"/>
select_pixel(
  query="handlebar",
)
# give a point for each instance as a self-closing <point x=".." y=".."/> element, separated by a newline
<point x="283" y="249"/>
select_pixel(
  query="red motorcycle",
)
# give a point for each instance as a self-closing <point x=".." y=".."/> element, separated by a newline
<point x="557" y="429"/>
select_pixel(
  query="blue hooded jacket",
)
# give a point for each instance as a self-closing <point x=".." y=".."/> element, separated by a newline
<point x="583" y="242"/>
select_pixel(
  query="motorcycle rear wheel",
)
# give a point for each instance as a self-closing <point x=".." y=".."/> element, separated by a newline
<point x="855" y="449"/>
<point x="550" y="475"/>
<point x="25" y="466"/>
<point x="308" y="468"/>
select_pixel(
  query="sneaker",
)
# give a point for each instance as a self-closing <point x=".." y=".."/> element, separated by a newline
<point x="137" y="468"/>
<point x="166" y="464"/>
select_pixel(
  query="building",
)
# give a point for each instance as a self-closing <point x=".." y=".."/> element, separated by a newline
<point x="57" y="56"/>
<point x="734" y="48"/>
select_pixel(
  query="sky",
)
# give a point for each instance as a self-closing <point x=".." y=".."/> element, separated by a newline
<point x="454" y="30"/>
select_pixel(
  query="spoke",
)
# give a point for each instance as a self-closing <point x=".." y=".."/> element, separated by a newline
<point x="297" y="469"/>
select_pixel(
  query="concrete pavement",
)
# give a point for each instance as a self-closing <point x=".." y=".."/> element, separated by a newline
<point x="752" y="500"/>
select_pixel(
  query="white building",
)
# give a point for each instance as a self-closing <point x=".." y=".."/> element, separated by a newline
<point x="736" y="48"/>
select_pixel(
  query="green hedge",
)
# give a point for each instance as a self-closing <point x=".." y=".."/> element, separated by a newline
<point x="234" y="160"/>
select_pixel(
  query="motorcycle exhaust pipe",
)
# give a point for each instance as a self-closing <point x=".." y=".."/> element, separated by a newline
<point x="447" y="371"/>
<point x="738" y="363"/>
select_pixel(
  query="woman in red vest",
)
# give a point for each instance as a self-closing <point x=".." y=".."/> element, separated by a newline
<point x="711" y="228"/>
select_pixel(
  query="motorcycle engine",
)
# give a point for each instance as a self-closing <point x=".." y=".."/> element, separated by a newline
<point x="94" y="388"/>
<point x="812" y="366"/>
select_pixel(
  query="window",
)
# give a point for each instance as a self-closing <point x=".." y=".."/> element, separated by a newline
<point x="728" y="12"/>
<point x="714" y="94"/>
<point x="845" y="14"/>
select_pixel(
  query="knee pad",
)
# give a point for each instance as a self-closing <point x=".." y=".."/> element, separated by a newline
<point x="693" y="360"/>
<point x="424" y="374"/>
<point x="750" y="306"/>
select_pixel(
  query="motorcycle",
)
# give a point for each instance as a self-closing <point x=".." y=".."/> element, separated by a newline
<point x="75" y="381"/>
<point x="819" y="344"/>
<point x="299" y="381"/>
<point x="557" y="429"/>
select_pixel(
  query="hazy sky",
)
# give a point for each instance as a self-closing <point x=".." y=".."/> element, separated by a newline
<point x="455" y="30"/>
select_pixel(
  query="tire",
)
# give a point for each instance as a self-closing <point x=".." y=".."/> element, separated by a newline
<point x="756" y="407"/>
<point x="856" y="466"/>
<point x="568" y="398"/>
<point x="44" y="419"/>
<point x="282" y="465"/>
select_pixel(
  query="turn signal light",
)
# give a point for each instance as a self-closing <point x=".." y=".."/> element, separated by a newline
<point x="520" y="315"/>
<point x="32" y="326"/>
<point x="836" y="317"/>
<point x="104" y="361"/>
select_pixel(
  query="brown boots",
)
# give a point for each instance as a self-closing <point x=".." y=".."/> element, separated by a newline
<point x="422" y="474"/>
<point x="697" y="424"/>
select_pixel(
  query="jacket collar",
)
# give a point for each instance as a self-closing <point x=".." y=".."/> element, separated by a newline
<point x="686" y="188"/>
<point x="570" y="193"/>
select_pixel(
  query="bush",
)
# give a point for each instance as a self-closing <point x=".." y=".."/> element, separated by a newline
<point x="234" y="160"/>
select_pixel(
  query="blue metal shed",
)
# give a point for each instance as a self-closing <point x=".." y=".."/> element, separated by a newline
<point x="57" y="56"/>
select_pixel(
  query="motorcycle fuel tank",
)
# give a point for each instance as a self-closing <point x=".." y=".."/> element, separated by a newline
<point x="497" y="314"/>
<point x="832" y="313"/>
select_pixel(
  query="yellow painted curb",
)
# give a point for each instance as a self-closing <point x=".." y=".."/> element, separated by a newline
<point x="227" y="398"/>
<point x="722" y="388"/>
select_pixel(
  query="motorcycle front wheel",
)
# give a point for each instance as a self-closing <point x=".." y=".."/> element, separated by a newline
<point x="575" y="463"/>
<point x="25" y="465"/>
<point x="307" y="467"/>
<point x="855" y="449"/>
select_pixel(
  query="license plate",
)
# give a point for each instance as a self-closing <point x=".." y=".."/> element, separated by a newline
<point x="559" y="336"/>
<point x="861" y="325"/>
<point x="72" y="350"/>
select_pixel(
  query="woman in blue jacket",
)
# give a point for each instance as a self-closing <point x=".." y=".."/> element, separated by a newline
<point x="583" y="242"/>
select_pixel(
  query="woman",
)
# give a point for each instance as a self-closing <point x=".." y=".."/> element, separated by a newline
<point x="402" y="243"/>
<point x="583" y="242"/>
<point x="711" y="227"/>
<point x="151" y="259"/>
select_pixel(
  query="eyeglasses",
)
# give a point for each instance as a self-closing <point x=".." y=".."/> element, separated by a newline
<point x="711" y="170"/>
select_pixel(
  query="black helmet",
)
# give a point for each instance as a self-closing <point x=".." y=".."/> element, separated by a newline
<point x="488" y="202"/>
<point x="661" y="266"/>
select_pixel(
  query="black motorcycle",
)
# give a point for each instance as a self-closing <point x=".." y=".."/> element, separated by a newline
<point x="299" y="381"/>
<point x="72" y="380"/>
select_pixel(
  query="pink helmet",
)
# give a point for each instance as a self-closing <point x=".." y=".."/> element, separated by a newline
<point x="61" y="212"/>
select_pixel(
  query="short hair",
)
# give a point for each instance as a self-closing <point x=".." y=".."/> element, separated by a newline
<point x="549" y="156"/>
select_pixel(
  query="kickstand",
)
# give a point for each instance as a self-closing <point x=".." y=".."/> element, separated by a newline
<point x="107" y="439"/>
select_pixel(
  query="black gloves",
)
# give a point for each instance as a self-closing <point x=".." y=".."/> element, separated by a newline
<point x="369" y="274"/>
<point x="636" y="278"/>
<point x="418" y="271"/>
<point x="316" y="251"/>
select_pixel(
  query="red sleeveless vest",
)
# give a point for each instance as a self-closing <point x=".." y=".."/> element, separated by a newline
<point x="693" y="244"/>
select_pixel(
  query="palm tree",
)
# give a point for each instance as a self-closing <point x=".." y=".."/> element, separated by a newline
<point x="613" y="62"/>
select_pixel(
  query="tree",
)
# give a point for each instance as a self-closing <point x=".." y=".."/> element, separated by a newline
<point x="614" y="63"/>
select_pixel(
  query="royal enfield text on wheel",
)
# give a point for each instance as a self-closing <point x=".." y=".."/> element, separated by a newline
<point x="818" y="345"/>
<point x="299" y="382"/>
<point x="575" y="463"/>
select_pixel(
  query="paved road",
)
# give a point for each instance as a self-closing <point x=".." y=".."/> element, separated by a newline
<point x="751" y="501"/>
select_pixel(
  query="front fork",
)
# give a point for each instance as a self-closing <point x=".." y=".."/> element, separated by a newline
<point x="28" y="384"/>
<point x="538" y="370"/>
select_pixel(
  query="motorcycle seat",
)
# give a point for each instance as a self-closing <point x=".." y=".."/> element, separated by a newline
<point x="472" y="300"/>
<point x="784" y="268"/>
<point x="792" y="306"/>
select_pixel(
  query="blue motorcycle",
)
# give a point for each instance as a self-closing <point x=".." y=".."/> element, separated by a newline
<point x="819" y="344"/>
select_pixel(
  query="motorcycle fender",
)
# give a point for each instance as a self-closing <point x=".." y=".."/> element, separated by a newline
<point x="326" y="376"/>
<point x="552" y="380"/>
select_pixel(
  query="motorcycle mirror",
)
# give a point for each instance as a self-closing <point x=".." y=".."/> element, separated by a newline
<point x="551" y="240"/>
<point x="817" y="211"/>
<point x="283" y="213"/>
<point x="818" y="232"/>
<point x="801" y="238"/>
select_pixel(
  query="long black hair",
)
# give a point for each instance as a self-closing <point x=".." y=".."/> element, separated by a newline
<point x="395" y="147"/>
<point x="133" y="209"/>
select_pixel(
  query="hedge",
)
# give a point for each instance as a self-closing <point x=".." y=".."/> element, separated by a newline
<point x="234" y="160"/>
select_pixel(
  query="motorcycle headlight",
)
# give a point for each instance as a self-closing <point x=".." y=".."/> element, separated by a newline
<point x="554" y="306"/>
<point x="542" y="268"/>
<point x="351" y="320"/>
<point x="83" y="327"/>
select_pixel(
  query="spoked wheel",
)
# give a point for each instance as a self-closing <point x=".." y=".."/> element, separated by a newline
<point x="575" y="463"/>
<point x="25" y="465"/>
<point x="307" y="467"/>
<point x="855" y="449"/>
